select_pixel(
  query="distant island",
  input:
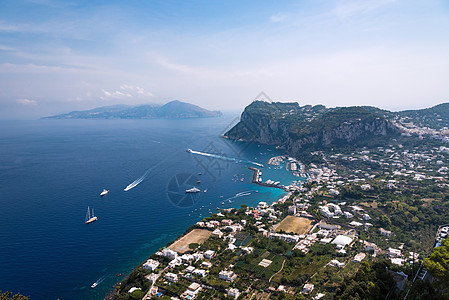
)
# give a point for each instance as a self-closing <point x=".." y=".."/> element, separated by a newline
<point x="172" y="110"/>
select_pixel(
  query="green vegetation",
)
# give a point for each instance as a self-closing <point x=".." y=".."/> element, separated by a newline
<point x="370" y="282"/>
<point x="398" y="185"/>
<point x="9" y="296"/>
<point x="438" y="263"/>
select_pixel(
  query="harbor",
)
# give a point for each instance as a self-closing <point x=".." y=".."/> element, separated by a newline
<point x="257" y="179"/>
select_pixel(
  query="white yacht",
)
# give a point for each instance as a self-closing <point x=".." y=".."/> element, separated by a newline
<point x="193" y="190"/>
<point x="89" y="218"/>
<point x="104" y="192"/>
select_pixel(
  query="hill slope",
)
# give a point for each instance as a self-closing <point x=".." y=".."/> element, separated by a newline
<point x="173" y="110"/>
<point x="295" y="127"/>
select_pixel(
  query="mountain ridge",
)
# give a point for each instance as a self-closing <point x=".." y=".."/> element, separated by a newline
<point x="295" y="128"/>
<point x="171" y="110"/>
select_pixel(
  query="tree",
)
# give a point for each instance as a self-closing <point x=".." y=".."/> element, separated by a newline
<point x="438" y="263"/>
<point x="10" y="296"/>
<point x="193" y="246"/>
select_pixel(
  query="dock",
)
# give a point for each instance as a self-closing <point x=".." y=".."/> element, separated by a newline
<point x="258" y="180"/>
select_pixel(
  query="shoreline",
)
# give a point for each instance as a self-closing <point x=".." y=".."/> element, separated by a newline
<point x="256" y="179"/>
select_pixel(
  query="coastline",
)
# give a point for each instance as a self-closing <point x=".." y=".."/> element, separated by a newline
<point x="115" y="290"/>
<point x="272" y="170"/>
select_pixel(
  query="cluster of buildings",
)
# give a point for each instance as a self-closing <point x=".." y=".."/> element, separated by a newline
<point x="394" y="162"/>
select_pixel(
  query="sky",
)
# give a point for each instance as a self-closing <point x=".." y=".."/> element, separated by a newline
<point x="58" y="56"/>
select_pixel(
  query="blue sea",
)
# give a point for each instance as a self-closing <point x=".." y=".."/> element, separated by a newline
<point x="52" y="170"/>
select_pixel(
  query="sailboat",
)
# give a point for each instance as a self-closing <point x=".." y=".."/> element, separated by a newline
<point x="90" y="219"/>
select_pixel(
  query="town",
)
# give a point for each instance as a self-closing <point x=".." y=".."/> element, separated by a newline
<point x="371" y="209"/>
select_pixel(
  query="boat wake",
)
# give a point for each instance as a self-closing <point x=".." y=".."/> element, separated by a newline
<point x="236" y="160"/>
<point x="96" y="283"/>
<point x="137" y="181"/>
<point x="238" y="195"/>
<point x="141" y="178"/>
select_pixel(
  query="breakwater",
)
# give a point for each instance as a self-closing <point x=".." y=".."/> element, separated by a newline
<point x="257" y="179"/>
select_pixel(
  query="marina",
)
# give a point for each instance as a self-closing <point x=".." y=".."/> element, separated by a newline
<point x="257" y="179"/>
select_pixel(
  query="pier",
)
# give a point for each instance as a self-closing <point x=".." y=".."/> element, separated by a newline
<point x="258" y="180"/>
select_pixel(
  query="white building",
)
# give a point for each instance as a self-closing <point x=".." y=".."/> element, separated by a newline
<point x="169" y="253"/>
<point x="151" y="264"/>
<point x="342" y="241"/>
<point x="355" y="223"/>
<point x="190" y="269"/>
<point x="217" y="233"/>
<point x="248" y="250"/>
<point x="152" y="277"/>
<point x="200" y="272"/>
<point x="209" y="254"/>
<point x="334" y="192"/>
<point x="187" y="258"/>
<point x="394" y="252"/>
<point x="359" y="257"/>
<point x="336" y="263"/>
<point x="234" y="293"/>
<point x="365" y="187"/>
<point x="227" y="275"/>
<point x="198" y="256"/>
<point x="292" y="209"/>
<point x="308" y="288"/>
<point x="131" y="290"/>
<point x="171" y="277"/>
<point x="385" y="232"/>
<point x="285" y="237"/>
<point x="348" y="215"/>
<point x="206" y="264"/>
<point x="262" y="205"/>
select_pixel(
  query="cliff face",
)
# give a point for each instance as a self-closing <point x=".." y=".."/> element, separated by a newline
<point x="294" y="128"/>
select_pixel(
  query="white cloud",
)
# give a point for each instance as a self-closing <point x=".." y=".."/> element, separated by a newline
<point x="137" y="90"/>
<point x="8" y="27"/>
<point x="349" y="8"/>
<point x="278" y="18"/>
<point x="115" y="95"/>
<point x="179" y="68"/>
<point x="6" y="48"/>
<point x="27" y="102"/>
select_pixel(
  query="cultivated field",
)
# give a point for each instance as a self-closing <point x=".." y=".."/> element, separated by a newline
<point x="195" y="236"/>
<point x="297" y="225"/>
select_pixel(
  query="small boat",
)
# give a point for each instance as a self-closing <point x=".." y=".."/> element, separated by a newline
<point x="189" y="150"/>
<point x="104" y="192"/>
<point x="89" y="218"/>
<point x="94" y="285"/>
<point x="193" y="190"/>
<point x="198" y="181"/>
